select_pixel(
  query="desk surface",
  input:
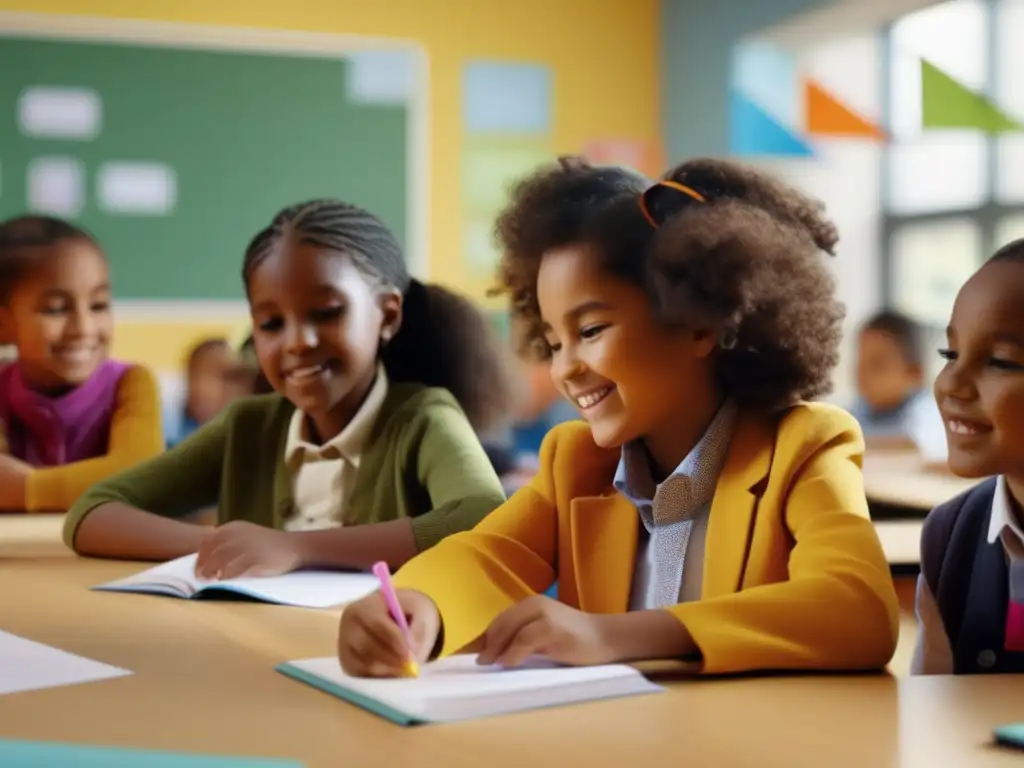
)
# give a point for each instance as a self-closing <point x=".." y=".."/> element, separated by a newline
<point x="900" y="479"/>
<point x="204" y="682"/>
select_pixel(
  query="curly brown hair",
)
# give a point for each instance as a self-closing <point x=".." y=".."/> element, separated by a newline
<point x="739" y="253"/>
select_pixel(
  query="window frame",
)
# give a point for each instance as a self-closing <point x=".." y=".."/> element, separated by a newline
<point x="987" y="215"/>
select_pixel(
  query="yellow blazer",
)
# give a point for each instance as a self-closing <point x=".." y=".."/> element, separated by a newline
<point x="794" y="573"/>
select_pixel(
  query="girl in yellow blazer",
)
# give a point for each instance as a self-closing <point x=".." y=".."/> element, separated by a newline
<point x="706" y="510"/>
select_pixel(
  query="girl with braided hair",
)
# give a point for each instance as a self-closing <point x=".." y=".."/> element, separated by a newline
<point x="367" y="448"/>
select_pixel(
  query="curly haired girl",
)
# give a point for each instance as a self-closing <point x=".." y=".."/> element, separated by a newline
<point x="706" y="510"/>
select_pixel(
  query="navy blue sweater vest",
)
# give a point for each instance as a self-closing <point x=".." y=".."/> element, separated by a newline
<point x="969" y="578"/>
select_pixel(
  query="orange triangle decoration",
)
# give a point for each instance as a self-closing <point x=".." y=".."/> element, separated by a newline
<point x="825" y="115"/>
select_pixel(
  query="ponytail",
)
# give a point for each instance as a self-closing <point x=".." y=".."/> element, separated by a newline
<point x="445" y="341"/>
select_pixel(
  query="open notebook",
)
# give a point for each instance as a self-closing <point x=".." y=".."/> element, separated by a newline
<point x="456" y="688"/>
<point x="307" y="589"/>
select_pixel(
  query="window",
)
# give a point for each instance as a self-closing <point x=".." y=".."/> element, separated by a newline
<point x="951" y="196"/>
<point x="1009" y="57"/>
<point x="931" y="260"/>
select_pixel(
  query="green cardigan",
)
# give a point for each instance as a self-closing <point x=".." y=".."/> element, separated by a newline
<point x="422" y="460"/>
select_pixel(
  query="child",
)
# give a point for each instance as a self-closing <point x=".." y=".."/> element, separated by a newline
<point x="70" y="415"/>
<point x="708" y="511"/>
<point x="365" y="451"/>
<point x="211" y="384"/>
<point x="970" y="595"/>
<point x="894" y="407"/>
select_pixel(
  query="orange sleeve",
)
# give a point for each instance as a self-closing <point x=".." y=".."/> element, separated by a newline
<point x="136" y="433"/>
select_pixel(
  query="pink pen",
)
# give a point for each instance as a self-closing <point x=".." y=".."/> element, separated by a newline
<point x="383" y="574"/>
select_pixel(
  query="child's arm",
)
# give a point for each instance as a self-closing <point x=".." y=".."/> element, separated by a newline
<point x="135" y="435"/>
<point x="838" y="609"/>
<point x="474" y="577"/>
<point x="453" y="468"/>
<point x="109" y="521"/>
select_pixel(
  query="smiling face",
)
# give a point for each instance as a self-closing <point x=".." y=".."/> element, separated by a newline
<point x="59" y="315"/>
<point x="630" y="377"/>
<point x="317" y="326"/>
<point x="980" y="391"/>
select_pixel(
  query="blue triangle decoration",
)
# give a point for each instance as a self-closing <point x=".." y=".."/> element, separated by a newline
<point x="754" y="133"/>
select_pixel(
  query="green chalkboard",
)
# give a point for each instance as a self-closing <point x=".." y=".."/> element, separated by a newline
<point x="241" y="134"/>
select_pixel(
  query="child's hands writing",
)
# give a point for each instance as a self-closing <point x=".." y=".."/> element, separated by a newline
<point x="239" y="549"/>
<point x="370" y="644"/>
<point x="545" y="627"/>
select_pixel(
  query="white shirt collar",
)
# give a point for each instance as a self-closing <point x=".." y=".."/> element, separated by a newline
<point x="347" y="444"/>
<point x="1003" y="519"/>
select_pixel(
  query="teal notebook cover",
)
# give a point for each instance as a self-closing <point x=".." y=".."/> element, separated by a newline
<point x="372" y="705"/>
<point x="46" y="754"/>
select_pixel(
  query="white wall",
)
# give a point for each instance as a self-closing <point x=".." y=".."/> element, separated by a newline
<point x="846" y="175"/>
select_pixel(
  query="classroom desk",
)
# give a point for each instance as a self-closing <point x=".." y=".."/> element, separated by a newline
<point x="900" y="479"/>
<point x="32" y="536"/>
<point x="902" y="491"/>
<point x="204" y="682"/>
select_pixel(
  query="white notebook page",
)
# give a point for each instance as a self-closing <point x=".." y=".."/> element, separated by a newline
<point x="443" y="685"/>
<point x="26" y="665"/>
<point x="308" y="589"/>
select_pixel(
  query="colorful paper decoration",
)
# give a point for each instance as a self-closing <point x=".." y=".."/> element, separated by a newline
<point x="948" y="103"/>
<point x="754" y="133"/>
<point x="825" y="115"/>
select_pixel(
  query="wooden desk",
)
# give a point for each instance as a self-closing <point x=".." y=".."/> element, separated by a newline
<point x="204" y="682"/>
<point x="25" y="536"/>
<point x="899" y="479"/>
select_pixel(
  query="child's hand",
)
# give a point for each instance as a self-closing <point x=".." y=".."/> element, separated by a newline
<point x="13" y="477"/>
<point x="545" y="627"/>
<point x="239" y="549"/>
<point x="370" y="644"/>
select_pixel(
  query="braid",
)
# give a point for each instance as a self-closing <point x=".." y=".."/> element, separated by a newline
<point x="336" y="226"/>
<point x="443" y="341"/>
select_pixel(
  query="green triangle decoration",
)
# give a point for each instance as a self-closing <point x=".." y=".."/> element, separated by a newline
<point x="948" y="103"/>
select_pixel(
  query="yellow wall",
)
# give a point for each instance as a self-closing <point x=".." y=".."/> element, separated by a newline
<point x="603" y="54"/>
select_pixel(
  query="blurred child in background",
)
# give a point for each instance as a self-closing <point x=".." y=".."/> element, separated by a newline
<point x="214" y="377"/>
<point x="71" y="416"/>
<point x="894" y="406"/>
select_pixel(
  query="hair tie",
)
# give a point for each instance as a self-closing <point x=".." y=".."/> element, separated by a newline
<point x="665" y="199"/>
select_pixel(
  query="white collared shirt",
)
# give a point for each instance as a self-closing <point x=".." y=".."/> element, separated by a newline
<point x="933" y="654"/>
<point x="323" y="475"/>
<point x="674" y="513"/>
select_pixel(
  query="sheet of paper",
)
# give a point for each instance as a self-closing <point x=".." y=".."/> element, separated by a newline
<point x="41" y="754"/>
<point x="26" y="665"/>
